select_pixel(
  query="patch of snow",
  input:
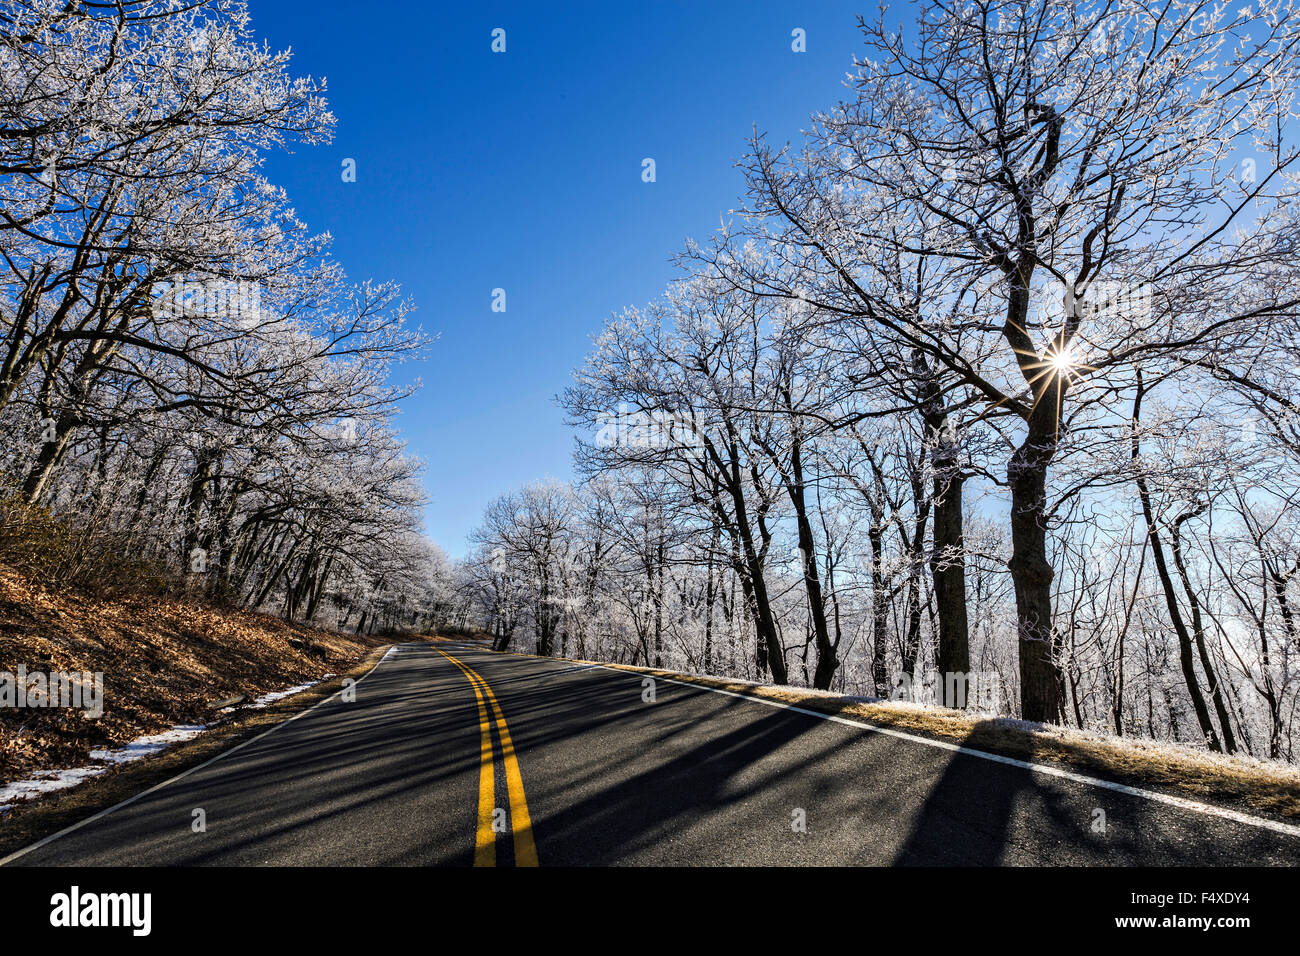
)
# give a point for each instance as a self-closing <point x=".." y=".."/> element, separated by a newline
<point x="273" y="696"/>
<point x="152" y="744"/>
<point x="46" y="781"/>
<point x="268" y="699"/>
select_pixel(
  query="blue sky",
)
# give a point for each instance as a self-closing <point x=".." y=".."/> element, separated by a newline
<point x="522" y="171"/>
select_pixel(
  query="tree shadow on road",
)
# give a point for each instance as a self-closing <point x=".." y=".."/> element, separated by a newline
<point x="978" y="807"/>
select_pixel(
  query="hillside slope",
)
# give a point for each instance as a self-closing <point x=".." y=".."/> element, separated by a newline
<point x="164" y="661"/>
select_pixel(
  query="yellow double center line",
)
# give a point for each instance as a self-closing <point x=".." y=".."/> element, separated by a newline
<point x="485" y="848"/>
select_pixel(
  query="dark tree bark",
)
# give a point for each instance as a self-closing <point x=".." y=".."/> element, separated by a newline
<point x="1185" y="661"/>
<point x="1031" y="572"/>
<point x="948" y="555"/>
<point x="827" y="660"/>
<point x="770" y="654"/>
<point x="1198" y="634"/>
<point x="879" y="608"/>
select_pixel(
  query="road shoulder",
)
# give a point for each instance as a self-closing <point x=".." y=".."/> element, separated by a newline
<point x="1236" y="785"/>
<point x="40" y="818"/>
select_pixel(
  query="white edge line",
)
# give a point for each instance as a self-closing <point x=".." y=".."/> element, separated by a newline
<point x="185" y="773"/>
<point x="1181" y="802"/>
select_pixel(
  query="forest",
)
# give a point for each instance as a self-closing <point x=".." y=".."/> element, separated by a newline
<point x="983" y="395"/>
<point x="194" y="397"/>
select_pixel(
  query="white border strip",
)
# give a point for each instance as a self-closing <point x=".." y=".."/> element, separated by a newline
<point x="1181" y="802"/>
<point x="185" y="773"/>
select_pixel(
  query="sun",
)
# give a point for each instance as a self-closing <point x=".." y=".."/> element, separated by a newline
<point x="1062" y="360"/>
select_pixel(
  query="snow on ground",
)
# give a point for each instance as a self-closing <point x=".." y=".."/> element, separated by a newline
<point x="152" y="744"/>
<point x="45" y="781"/>
<point x="268" y="699"/>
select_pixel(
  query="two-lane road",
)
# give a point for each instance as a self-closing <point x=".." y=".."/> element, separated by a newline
<point x="451" y="754"/>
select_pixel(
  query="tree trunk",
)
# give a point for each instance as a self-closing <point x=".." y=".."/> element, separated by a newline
<point x="1031" y="573"/>
<point x="771" y="655"/>
<point x="827" y="662"/>
<point x="1198" y="635"/>
<point x="1185" y="661"/>
<point x="879" y="610"/>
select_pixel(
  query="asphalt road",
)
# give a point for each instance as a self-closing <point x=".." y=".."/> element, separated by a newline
<point x="416" y="771"/>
